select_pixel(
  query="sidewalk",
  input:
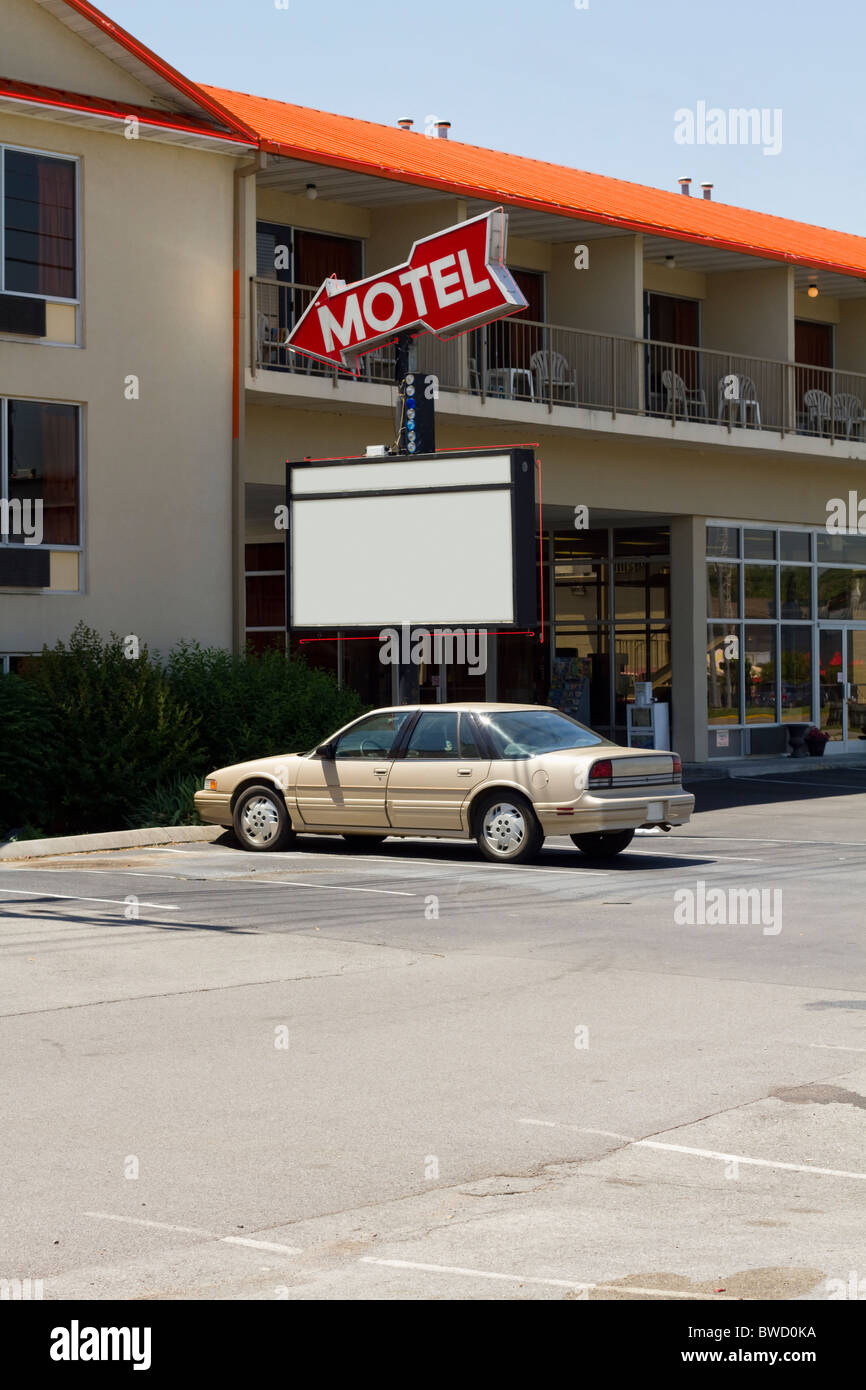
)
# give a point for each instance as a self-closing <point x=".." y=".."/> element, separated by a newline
<point x="112" y="839"/>
<point x="776" y="767"/>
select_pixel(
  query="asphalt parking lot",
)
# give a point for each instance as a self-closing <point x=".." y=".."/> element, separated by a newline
<point x="412" y="1074"/>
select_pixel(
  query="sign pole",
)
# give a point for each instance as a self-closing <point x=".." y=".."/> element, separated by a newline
<point x="415" y="414"/>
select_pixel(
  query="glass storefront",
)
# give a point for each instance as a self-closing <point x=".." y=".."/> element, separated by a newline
<point x="611" y="604"/>
<point x="786" y="636"/>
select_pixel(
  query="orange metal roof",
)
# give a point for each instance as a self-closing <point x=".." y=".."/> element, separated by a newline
<point x="468" y="170"/>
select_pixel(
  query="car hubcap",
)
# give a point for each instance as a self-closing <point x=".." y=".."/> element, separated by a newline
<point x="260" y="821"/>
<point x="504" y="828"/>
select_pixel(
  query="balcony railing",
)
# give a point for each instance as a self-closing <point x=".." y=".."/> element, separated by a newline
<point x="548" y="365"/>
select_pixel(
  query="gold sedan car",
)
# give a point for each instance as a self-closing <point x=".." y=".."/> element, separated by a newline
<point x="503" y="775"/>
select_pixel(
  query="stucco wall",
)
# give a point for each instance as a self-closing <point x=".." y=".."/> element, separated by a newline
<point x="157" y="304"/>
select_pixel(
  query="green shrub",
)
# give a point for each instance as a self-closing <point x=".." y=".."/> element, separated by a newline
<point x="91" y="740"/>
<point x="171" y="803"/>
<point x="256" y="705"/>
<point x="120" y="730"/>
<point x="27" y="752"/>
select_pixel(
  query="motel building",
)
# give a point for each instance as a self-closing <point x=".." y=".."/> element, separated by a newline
<point x="692" y="374"/>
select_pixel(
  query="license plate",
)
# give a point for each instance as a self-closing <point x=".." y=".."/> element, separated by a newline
<point x="656" y="810"/>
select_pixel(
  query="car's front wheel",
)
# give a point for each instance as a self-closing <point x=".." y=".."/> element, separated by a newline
<point x="506" y="828"/>
<point x="261" y="821"/>
<point x="605" y="844"/>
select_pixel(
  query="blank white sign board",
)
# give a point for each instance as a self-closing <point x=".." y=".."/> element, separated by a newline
<point x="425" y="541"/>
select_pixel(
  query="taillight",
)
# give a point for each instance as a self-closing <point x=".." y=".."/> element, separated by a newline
<point x="678" y="768"/>
<point x="601" y="774"/>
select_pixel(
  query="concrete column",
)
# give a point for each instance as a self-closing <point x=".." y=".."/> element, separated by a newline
<point x="689" y="637"/>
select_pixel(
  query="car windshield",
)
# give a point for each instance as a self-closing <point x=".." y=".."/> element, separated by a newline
<point x="527" y="732"/>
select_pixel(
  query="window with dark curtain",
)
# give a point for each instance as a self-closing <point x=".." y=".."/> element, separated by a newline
<point x="317" y="257"/>
<point x="510" y="342"/>
<point x="672" y="321"/>
<point x="39" y="225"/>
<point x="813" y="350"/>
<point x="43" y="464"/>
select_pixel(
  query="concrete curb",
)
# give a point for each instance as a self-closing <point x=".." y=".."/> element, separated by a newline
<point x="114" y="839"/>
<point x="771" y="767"/>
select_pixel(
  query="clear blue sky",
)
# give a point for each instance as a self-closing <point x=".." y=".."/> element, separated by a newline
<point x="594" y="88"/>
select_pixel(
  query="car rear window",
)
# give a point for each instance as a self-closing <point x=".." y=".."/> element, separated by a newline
<point x="527" y="733"/>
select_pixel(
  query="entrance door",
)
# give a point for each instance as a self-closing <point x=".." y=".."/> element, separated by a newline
<point x="348" y="789"/>
<point x="813" y="351"/>
<point x="673" y="326"/>
<point x="842" y="690"/>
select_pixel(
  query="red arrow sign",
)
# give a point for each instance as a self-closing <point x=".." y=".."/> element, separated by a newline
<point x="453" y="281"/>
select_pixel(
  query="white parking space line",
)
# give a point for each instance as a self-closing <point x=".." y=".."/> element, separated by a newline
<point x="706" y="1153"/>
<point x="157" y="1225"/>
<point x="461" y="867"/>
<point x="198" y="1231"/>
<point x="750" y="1162"/>
<point x="79" y="898"/>
<point x="760" y="840"/>
<point x="666" y="854"/>
<point x="119" y="873"/>
<point x="578" y="1129"/>
<point x="254" y="883"/>
<point x="838" y="1047"/>
<point x="334" y="887"/>
<point x="262" y="1245"/>
<point x="583" y="1285"/>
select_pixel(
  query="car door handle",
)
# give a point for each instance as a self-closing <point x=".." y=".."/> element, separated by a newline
<point x="381" y="771"/>
<point x="464" y="772"/>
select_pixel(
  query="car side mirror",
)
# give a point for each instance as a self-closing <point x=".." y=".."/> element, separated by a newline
<point x="325" y="750"/>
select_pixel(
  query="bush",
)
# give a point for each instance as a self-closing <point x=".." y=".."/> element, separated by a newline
<point x="171" y="803"/>
<point x="92" y="740"/>
<point x="28" y="740"/>
<point x="253" y="706"/>
<point x="120" y="730"/>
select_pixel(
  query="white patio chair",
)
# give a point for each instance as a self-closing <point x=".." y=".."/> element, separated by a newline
<point x="819" y="408"/>
<point x="848" y="410"/>
<point x="686" y="402"/>
<point x="738" y="395"/>
<point x="551" y="368"/>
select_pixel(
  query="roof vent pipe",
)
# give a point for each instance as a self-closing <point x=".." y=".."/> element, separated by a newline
<point x="442" y="129"/>
<point x="405" y="123"/>
<point x="707" y="190"/>
<point x="685" y="186"/>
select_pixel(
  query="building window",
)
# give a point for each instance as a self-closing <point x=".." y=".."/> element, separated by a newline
<point x="38" y="193"/>
<point x="39" y="488"/>
<point x="772" y="595"/>
<point x="265" y="581"/>
<point x="612" y="622"/>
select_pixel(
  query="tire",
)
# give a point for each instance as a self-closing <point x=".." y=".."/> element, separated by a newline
<point x="261" y="821"/>
<point x="506" y="828"/>
<point x="358" y="844"/>
<point x="604" y="844"/>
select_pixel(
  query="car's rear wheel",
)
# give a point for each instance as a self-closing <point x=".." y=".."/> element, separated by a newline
<point x="359" y="843"/>
<point x="261" y="821"/>
<point x="605" y="844"/>
<point x="506" y="828"/>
